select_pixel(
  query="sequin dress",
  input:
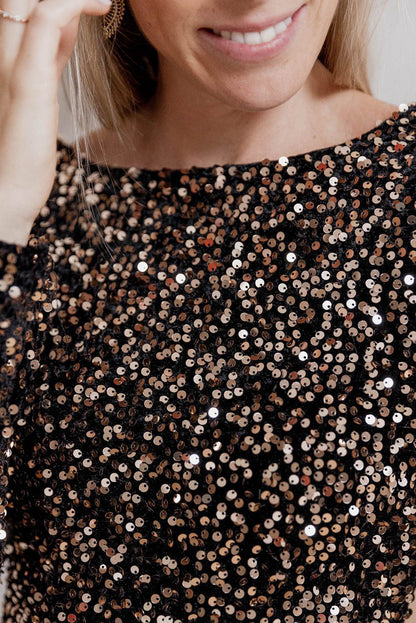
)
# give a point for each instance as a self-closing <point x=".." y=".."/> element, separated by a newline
<point x="208" y="391"/>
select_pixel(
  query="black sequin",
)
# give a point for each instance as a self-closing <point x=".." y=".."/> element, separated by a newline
<point x="208" y="390"/>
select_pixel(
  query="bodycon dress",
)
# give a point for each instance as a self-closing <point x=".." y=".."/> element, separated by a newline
<point x="207" y="391"/>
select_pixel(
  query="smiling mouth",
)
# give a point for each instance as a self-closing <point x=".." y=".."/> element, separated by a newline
<point x="254" y="37"/>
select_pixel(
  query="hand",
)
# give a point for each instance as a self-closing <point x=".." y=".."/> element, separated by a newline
<point x="32" y="58"/>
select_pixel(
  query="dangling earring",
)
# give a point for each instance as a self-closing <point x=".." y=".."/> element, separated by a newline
<point x="113" y="18"/>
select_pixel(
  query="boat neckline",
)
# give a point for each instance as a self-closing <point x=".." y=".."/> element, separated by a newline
<point x="218" y="168"/>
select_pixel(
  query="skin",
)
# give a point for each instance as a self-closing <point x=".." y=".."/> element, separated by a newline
<point x="209" y="108"/>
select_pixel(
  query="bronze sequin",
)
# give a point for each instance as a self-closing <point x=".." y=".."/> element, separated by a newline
<point x="208" y="391"/>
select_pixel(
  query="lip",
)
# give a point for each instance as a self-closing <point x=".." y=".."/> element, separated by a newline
<point x="252" y="53"/>
<point x="258" y="27"/>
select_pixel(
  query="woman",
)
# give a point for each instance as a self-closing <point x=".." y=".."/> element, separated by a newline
<point x="209" y="417"/>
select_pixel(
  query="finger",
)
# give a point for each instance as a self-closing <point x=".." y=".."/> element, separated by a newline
<point x="67" y="44"/>
<point x="36" y="61"/>
<point x="11" y="34"/>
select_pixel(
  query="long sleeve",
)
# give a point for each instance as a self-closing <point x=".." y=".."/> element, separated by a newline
<point x="24" y="273"/>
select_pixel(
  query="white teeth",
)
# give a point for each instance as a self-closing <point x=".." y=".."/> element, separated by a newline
<point x="237" y="36"/>
<point x="254" y="38"/>
<point x="268" y="34"/>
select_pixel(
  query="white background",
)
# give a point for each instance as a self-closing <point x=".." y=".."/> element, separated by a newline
<point x="392" y="66"/>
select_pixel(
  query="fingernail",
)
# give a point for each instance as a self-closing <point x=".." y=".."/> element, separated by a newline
<point x="106" y="2"/>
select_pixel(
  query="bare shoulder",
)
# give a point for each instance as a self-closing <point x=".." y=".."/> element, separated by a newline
<point x="367" y="110"/>
<point x="378" y="107"/>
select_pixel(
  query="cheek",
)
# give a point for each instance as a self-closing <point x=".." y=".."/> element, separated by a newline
<point x="316" y="26"/>
<point x="325" y="14"/>
<point x="163" y="22"/>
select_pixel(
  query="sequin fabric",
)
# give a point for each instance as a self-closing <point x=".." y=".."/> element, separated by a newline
<point x="208" y="391"/>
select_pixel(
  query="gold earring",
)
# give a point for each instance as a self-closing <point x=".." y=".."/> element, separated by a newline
<point x="113" y="18"/>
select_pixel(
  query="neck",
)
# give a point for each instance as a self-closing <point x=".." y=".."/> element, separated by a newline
<point x="184" y="129"/>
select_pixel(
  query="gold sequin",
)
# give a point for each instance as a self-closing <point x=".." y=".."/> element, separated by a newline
<point x="207" y="391"/>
